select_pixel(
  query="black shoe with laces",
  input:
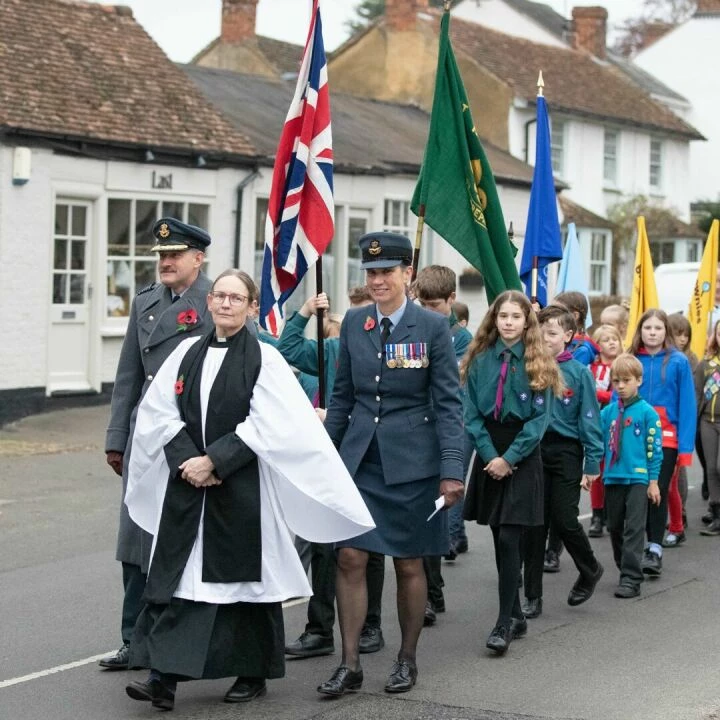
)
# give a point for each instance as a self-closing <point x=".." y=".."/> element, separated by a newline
<point x="499" y="639"/>
<point x="651" y="564"/>
<point x="310" y="645"/>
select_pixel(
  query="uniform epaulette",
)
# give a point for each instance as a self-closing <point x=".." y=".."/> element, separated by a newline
<point x="146" y="289"/>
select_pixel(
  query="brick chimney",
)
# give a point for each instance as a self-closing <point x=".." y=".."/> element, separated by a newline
<point x="589" y="30"/>
<point x="400" y="14"/>
<point x="708" y="7"/>
<point x="238" y="20"/>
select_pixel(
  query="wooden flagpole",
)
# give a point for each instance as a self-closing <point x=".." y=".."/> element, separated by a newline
<point x="418" y="241"/>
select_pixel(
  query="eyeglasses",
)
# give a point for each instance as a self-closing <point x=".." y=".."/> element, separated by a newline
<point x="235" y="299"/>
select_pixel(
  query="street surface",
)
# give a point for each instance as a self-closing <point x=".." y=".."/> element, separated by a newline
<point x="652" y="658"/>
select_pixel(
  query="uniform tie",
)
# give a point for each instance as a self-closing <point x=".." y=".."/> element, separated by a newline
<point x="385" y="332"/>
<point x="175" y="297"/>
<point x="501" y="384"/>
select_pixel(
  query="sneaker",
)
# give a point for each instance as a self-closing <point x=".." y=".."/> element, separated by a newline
<point x="651" y="564"/>
<point x="673" y="540"/>
<point x="552" y="562"/>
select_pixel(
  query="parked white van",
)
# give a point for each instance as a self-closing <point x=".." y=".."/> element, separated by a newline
<point x="675" y="283"/>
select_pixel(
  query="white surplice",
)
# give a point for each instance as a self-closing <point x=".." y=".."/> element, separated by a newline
<point x="304" y="485"/>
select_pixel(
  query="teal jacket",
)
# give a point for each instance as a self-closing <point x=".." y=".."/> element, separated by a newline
<point x="303" y="353"/>
<point x="520" y="402"/>
<point x="640" y="453"/>
<point x="577" y="414"/>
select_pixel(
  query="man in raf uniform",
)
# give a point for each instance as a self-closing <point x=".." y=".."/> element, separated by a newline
<point x="162" y="316"/>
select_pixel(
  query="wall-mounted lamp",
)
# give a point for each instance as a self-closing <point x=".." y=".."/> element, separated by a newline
<point x="200" y="162"/>
<point x="22" y="160"/>
<point x="149" y="156"/>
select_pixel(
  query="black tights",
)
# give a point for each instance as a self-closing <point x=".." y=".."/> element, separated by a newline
<point x="507" y="540"/>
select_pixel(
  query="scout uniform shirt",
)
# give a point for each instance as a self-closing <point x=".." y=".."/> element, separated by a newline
<point x="519" y="403"/>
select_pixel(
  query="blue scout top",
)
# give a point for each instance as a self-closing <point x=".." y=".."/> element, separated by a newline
<point x="639" y="452"/>
<point x="302" y="353"/>
<point x="668" y="386"/>
<point x="577" y="414"/>
<point x="520" y="402"/>
<point x="583" y="349"/>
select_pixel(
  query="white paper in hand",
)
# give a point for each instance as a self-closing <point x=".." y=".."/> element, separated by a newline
<point x="439" y="505"/>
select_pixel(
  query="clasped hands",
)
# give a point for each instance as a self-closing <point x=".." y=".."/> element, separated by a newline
<point x="198" y="471"/>
<point x="498" y="468"/>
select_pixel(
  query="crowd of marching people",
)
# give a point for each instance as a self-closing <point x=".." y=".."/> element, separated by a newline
<point x="239" y="480"/>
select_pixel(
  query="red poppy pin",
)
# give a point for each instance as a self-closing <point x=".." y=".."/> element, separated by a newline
<point x="185" y="319"/>
<point x="180" y="385"/>
<point x="369" y="323"/>
<point x="628" y="422"/>
<point x="568" y="393"/>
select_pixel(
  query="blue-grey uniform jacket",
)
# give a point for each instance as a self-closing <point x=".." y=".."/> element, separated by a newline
<point x="153" y="332"/>
<point x="415" y="412"/>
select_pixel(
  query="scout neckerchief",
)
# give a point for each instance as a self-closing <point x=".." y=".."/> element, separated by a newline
<point x="616" y="428"/>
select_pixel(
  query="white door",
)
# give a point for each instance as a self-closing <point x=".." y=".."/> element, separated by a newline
<point x="69" y="336"/>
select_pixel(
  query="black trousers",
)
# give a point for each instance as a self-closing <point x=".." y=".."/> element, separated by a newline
<point x="507" y="540"/>
<point x="657" y="514"/>
<point x="134" y="586"/>
<point x="321" y="608"/>
<point x="626" y="507"/>
<point x="562" y="470"/>
<point x="432" y="565"/>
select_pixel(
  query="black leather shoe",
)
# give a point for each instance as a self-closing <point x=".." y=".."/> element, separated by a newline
<point x="596" y="526"/>
<point x="118" y="661"/>
<point x="583" y="588"/>
<point x="402" y="677"/>
<point x="552" y="562"/>
<point x="310" y="645"/>
<point x="342" y="680"/>
<point x="152" y="691"/>
<point x="245" y="689"/>
<point x="452" y="553"/>
<point x="430" y="616"/>
<point x="518" y="627"/>
<point x="532" y="608"/>
<point x="651" y="564"/>
<point x="627" y="591"/>
<point x="461" y="546"/>
<point x="499" y="639"/>
<point x="371" y="640"/>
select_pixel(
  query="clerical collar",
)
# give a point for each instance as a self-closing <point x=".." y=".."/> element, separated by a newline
<point x="224" y="342"/>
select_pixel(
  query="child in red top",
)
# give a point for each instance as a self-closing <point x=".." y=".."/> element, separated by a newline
<point x="608" y="339"/>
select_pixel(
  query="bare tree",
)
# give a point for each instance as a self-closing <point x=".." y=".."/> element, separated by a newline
<point x="656" y="18"/>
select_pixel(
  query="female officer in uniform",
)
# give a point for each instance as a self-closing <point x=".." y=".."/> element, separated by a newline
<point x="396" y="418"/>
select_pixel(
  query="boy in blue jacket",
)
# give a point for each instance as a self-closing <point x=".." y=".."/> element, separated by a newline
<point x="633" y="456"/>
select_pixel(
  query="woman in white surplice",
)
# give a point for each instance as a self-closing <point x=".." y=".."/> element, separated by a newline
<point x="228" y="460"/>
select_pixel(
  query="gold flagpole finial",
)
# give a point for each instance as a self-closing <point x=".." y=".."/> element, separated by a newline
<point x="540" y="84"/>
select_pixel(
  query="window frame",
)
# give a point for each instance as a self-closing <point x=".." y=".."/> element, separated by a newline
<point x="655" y="166"/>
<point x="611" y="157"/>
<point x="558" y="130"/>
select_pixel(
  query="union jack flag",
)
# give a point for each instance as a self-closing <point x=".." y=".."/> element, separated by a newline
<point x="300" y="221"/>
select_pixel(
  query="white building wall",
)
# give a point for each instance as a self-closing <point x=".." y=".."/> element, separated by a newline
<point x="499" y="16"/>
<point x="687" y="59"/>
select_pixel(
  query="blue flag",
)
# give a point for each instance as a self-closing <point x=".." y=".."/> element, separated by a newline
<point x="542" y="234"/>
<point x="571" y="275"/>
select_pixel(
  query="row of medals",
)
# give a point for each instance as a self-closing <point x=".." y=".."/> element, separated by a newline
<point x="400" y="361"/>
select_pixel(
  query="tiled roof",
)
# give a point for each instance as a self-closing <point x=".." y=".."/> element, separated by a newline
<point x="575" y="83"/>
<point x="368" y="136"/>
<point x="89" y="71"/>
<point x="543" y="15"/>
<point x="582" y="217"/>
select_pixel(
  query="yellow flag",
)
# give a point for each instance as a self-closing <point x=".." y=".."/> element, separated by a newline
<point x="644" y="293"/>
<point x="703" y="297"/>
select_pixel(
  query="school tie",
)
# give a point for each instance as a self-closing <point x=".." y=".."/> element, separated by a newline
<point x="384" y="332"/>
<point x="501" y="384"/>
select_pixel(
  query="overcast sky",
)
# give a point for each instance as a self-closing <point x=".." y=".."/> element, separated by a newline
<point x="183" y="27"/>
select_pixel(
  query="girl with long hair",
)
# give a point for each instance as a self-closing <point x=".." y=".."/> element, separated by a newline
<point x="668" y="386"/>
<point x="510" y="379"/>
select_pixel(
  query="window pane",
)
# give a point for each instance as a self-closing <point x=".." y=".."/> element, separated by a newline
<point x="59" y="289"/>
<point x="77" y="255"/>
<point x="60" y="260"/>
<point x="119" y="281"/>
<point x="557" y="146"/>
<point x="357" y="227"/>
<point x="667" y="252"/>
<point x="199" y="215"/>
<point x="61" y="219"/>
<point x="597" y="251"/>
<point x="173" y="209"/>
<point x="79" y="220"/>
<point x="261" y="208"/>
<point x="610" y="156"/>
<point x="145" y="217"/>
<point x="597" y="278"/>
<point x="693" y="252"/>
<point x="118" y="227"/>
<point x="144" y="274"/>
<point x="655" y="163"/>
<point x="77" y="288"/>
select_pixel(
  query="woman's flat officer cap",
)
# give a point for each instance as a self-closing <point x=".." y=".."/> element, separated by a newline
<point x="385" y="250"/>
<point x="173" y="236"/>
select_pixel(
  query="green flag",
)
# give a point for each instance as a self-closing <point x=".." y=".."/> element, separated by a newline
<point x="456" y="186"/>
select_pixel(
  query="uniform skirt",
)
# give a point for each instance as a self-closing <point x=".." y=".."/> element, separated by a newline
<point x="400" y="513"/>
<point x="516" y="499"/>
<point x="203" y="640"/>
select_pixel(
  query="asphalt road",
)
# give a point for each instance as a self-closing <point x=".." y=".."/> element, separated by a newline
<point x="655" y="657"/>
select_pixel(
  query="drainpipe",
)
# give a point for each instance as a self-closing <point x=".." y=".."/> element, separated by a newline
<point x="527" y="138"/>
<point x="238" y="212"/>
